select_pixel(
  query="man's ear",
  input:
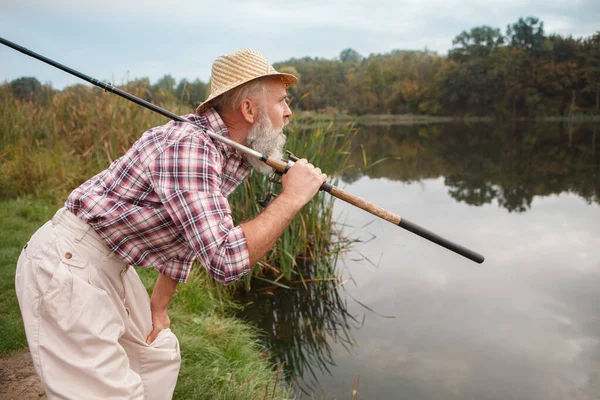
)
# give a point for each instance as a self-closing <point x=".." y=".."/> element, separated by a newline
<point x="249" y="111"/>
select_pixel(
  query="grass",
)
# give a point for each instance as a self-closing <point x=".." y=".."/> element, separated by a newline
<point x="222" y="357"/>
<point x="49" y="148"/>
<point x="18" y="220"/>
<point x="76" y="133"/>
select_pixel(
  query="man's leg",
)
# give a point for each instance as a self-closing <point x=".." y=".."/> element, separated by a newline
<point x="73" y="327"/>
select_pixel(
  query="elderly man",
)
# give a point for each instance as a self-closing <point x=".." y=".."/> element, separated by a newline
<point x="92" y="329"/>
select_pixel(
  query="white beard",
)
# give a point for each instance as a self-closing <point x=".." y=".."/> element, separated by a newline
<point x="267" y="140"/>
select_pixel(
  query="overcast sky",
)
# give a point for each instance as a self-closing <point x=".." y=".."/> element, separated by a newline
<point x="118" y="40"/>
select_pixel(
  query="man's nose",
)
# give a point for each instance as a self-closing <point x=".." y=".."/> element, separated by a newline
<point x="287" y="112"/>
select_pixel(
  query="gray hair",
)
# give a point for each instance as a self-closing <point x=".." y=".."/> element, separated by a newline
<point x="231" y="100"/>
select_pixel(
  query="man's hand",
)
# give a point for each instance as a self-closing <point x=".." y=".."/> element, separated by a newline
<point x="161" y="297"/>
<point x="302" y="182"/>
<point x="160" y="321"/>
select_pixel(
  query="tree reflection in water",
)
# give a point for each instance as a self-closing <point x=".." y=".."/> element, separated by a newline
<point x="481" y="163"/>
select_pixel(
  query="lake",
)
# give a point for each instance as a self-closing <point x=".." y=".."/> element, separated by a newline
<point x="415" y="321"/>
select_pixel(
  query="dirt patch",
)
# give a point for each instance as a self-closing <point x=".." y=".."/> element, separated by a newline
<point x="18" y="380"/>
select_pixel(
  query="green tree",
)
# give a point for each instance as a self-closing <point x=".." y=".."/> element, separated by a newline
<point x="478" y="42"/>
<point x="350" y="56"/>
<point x="167" y="82"/>
<point x="192" y="93"/>
<point x="163" y="91"/>
<point x="527" y="34"/>
<point x="590" y="65"/>
<point x="25" y="88"/>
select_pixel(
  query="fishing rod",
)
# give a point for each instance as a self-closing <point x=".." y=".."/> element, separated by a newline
<point x="281" y="166"/>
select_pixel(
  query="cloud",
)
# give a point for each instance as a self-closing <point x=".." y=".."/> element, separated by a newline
<point x="524" y="323"/>
<point x="151" y="38"/>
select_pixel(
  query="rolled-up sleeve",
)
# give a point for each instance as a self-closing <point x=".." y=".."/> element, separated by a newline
<point x="186" y="176"/>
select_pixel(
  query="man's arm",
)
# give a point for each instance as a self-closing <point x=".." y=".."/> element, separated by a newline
<point x="161" y="297"/>
<point x="300" y="184"/>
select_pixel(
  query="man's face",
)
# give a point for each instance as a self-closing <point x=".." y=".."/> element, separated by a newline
<point x="266" y="135"/>
<point x="277" y="103"/>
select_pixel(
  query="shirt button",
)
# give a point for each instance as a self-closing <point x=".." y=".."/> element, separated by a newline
<point x="68" y="256"/>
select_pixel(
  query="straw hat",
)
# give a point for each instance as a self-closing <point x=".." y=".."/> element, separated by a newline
<point x="232" y="70"/>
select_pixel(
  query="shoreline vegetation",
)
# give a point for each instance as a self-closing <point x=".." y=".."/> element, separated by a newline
<point x="413" y="119"/>
<point x="521" y="72"/>
<point x="52" y="143"/>
<point x="50" y="147"/>
<point x="53" y="140"/>
<point x="221" y="356"/>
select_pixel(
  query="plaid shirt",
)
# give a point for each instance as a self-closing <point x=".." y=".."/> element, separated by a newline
<point x="163" y="203"/>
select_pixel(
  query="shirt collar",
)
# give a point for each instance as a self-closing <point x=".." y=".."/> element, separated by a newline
<point x="214" y="122"/>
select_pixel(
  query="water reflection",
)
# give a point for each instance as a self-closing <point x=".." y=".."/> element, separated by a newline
<point x="524" y="325"/>
<point x="301" y="325"/>
<point x="482" y="162"/>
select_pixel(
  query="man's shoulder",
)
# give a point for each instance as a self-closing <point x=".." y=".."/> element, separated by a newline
<point x="174" y="132"/>
<point x="175" y="136"/>
<point x="196" y="126"/>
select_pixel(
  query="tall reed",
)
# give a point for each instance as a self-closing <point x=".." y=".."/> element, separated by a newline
<point x="312" y="234"/>
<point x="51" y="147"/>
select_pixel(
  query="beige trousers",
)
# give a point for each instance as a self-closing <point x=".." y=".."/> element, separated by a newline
<point x="87" y="316"/>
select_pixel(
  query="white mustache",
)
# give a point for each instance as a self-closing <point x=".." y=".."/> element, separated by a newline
<point x="266" y="139"/>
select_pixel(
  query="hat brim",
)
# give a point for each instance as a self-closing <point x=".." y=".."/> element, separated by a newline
<point x="288" y="80"/>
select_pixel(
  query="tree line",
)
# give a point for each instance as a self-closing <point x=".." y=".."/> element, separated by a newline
<point x="483" y="163"/>
<point x="519" y="73"/>
<point x="166" y="90"/>
<point x="522" y="72"/>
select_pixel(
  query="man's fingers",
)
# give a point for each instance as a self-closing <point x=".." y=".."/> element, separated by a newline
<point x="152" y="335"/>
<point x="160" y="319"/>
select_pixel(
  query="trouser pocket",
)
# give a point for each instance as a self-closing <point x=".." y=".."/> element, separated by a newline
<point x="159" y="366"/>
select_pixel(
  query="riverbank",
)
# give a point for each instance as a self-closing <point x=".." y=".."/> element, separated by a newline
<point x="414" y="119"/>
<point x="222" y="357"/>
